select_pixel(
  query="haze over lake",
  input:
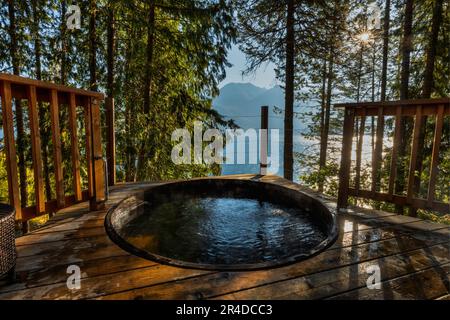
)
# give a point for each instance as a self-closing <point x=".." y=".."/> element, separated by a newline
<point x="242" y="102"/>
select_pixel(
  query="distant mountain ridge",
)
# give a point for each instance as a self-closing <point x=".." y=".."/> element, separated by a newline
<point x="242" y="102"/>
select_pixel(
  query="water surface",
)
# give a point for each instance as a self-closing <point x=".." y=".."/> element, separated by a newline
<point x="221" y="230"/>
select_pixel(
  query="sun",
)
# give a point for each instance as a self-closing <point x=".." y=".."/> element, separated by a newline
<point x="365" y="37"/>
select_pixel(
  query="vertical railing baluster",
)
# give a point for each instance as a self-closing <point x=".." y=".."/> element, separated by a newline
<point x="74" y="147"/>
<point x="435" y="155"/>
<point x="57" y="156"/>
<point x="88" y="129"/>
<point x="36" y="150"/>
<point x="359" y="148"/>
<point x="111" y="141"/>
<point x="377" y="156"/>
<point x="414" y="151"/>
<point x="397" y="140"/>
<point x="344" y="171"/>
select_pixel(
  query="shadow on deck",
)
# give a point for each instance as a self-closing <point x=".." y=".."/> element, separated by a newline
<point x="413" y="256"/>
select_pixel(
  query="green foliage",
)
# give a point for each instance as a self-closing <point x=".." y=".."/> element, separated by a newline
<point x="356" y="77"/>
<point x="191" y="40"/>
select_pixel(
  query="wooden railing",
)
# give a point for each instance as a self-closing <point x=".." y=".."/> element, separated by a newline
<point x="35" y="92"/>
<point x="418" y="109"/>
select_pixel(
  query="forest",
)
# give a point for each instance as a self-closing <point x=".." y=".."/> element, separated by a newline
<point x="163" y="62"/>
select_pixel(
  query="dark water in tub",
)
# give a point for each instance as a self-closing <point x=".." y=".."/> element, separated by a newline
<point x="211" y="230"/>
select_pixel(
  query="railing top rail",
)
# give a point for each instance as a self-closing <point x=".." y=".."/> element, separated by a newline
<point x="405" y="103"/>
<point x="50" y="86"/>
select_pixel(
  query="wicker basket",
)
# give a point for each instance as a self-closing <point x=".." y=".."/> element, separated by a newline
<point x="7" y="240"/>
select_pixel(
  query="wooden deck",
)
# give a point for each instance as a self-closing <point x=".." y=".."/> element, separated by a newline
<point x="413" y="255"/>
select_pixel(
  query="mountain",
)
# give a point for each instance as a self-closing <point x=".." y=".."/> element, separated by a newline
<point x="242" y="102"/>
<point x="233" y="94"/>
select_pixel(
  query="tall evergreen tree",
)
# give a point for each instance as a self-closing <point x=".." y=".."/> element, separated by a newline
<point x="14" y="51"/>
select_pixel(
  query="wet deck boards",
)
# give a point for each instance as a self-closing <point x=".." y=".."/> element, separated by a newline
<point x="413" y="257"/>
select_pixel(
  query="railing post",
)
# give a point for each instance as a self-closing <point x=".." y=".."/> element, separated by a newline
<point x="97" y="202"/>
<point x="111" y="141"/>
<point x="11" y="156"/>
<point x="344" y="173"/>
<point x="264" y="140"/>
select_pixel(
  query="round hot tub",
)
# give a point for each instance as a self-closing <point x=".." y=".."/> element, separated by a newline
<point x="223" y="224"/>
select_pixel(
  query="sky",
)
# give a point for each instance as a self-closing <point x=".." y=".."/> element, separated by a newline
<point x="263" y="77"/>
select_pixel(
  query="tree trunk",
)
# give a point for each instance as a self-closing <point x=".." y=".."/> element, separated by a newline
<point x="289" y="94"/>
<point x="36" y="9"/>
<point x="427" y="88"/>
<point x="383" y="93"/>
<point x="147" y="89"/>
<point x="19" y="111"/>
<point x="149" y="61"/>
<point x="111" y="50"/>
<point x="360" y="66"/>
<point x="386" y="28"/>
<point x="93" y="46"/>
<point x="63" y="43"/>
<point x="407" y="45"/>
<point x="323" y="151"/>
<point x="326" y="127"/>
<point x="329" y="95"/>
<point x="428" y="83"/>
<point x="129" y="148"/>
<point x="406" y="48"/>
<point x="372" y="119"/>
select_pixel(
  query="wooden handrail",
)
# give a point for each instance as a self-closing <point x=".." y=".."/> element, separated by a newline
<point x="411" y="102"/>
<point x="13" y="79"/>
<point x="18" y="88"/>
<point x="439" y="108"/>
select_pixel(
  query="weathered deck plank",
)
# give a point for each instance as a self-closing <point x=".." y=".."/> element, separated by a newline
<point x="91" y="268"/>
<point x="431" y="283"/>
<point x="413" y="256"/>
<point x="329" y="282"/>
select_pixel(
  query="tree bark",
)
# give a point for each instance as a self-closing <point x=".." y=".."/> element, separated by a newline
<point x="323" y="151"/>
<point x="406" y="48"/>
<point x="111" y="50"/>
<point x="16" y="63"/>
<point x="326" y="126"/>
<point x="147" y="89"/>
<point x="64" y="46"/>
<point x="289" y="94"/>
<point x="129" y="110"/>
<point x="149" y="61"/>
<point x="93" y="46"/>
<point x="386" y="28"/>
<point x="427" y="88"/>
<point x="360" y="66"/>
<point x="407" y="44"/>
<point x="428" y="83"/>
<point x="36" y="9"/>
